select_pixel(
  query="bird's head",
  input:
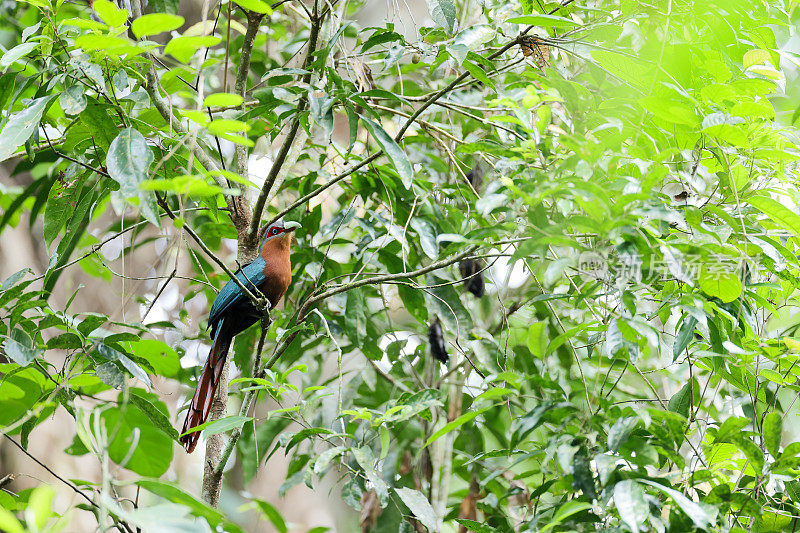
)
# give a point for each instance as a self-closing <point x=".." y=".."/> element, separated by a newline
<point x="279" y="232"/>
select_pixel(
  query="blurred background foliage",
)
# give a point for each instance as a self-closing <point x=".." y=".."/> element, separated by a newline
<point x="608" y="344"/>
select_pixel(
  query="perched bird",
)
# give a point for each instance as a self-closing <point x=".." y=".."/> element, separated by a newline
<point x="234" y="312"/>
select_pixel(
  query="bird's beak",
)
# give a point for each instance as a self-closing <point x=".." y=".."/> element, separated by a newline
<point x="291" y="226"/>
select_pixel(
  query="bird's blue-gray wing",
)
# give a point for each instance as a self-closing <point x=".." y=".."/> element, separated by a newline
<point x="251" y="275"/>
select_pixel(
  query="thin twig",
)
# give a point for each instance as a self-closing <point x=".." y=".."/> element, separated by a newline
<point x="118" y="522"/>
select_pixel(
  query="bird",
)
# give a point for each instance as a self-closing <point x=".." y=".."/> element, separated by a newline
<point x="233" y="312"/>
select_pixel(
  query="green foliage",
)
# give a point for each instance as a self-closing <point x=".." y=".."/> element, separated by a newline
<point x="623" y="173"/>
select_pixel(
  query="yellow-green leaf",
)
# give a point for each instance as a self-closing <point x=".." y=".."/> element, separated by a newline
<point x="110" y="13"/>
<point x="155" y="23"/>
<point x="183" y="48"/>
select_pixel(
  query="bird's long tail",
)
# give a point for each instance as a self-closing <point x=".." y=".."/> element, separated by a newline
<point x="206" y="390"/>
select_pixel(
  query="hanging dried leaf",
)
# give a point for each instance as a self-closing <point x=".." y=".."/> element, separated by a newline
<point x="436" y="340"/>
<point x="475" y="177"/>
<point x="370" y="511"/>
<point x="363" y="75"/>
<point x="472" y="273"/>
<point x="537" y="49"/>
<point x="469" y="507"/>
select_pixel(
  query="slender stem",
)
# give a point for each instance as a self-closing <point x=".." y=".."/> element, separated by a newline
<point x="259" y="301"/>
<point x="266" y="190"/>
<point x="122" y="525"/>
<point x="388" y="277"/>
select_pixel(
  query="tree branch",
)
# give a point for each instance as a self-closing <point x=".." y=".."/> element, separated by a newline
<point x="266" y="193"/>
<point x="253" y="23"/>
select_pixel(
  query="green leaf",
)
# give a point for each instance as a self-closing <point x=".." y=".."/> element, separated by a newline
<point x="731" y="426"/>
<point x="65" y="341"/>
<point x="113" y="355"/>
<point x="544" y="21"/>
<point x="222" y="100"/>
<point x="39" y="505"/>
<point x="176" y="495"/>
<point x="110" y="13"/>
<point x="419" y="505"/>
<point x="162" y="357"/>
<point x="565" y="511"/>
<point x="476" y="527"/>
<point x="323" y="459"/>
<point x="772" y="430"/>
<point x="19" y="392"/>
<point x="446" y="302"/>
<point x="443" y="13"/>
<point x="582" y="477"/>
<point x="392" y="149"/>
<point x="427" y="236"/>
<point x="256" y="6"/>
<point x="136" y="444"/>
<point x="631" y="504"/>
<point x="128" y="163"/>
<point x="777" y="212"/>
<point x="21" y="125"/>
<point x="226" y="125"/>
<point x="212" y="427"/>
<point x="17" y="53"/>
<point x="110" y="44"/>
<point x="684" y="337"/>
<point x="60" y="205"/>
<point x="458" y="422"/>
<point x="699" y="515"/>
<point x="9" y="523"/>
<point x="164" y="6"/>
<point x="474" y="36"/>
<point x="155" y="23"/>
<point x="73" y="100"/>
<point x="100" y="124"/>
<point x="19" y="353"/>
<point x="129" y="160"/>
<point x="754" y="57"/>
<point x="724" y="285"/>
<point x="381" y="37"/>
<point x="159" y="418"/>
<point x="183" y="48"/>
<point x="273" y="515"/>
<point x="478" y="73"/>
<point x="537" y="339"/>
<point x="386" y="441"/>
<point x="620" y="431"/>
<point x="13" y="279"/>
<point x="681" y="401"/>
<point x="366" y="461"/>
<point x="110" y="374"/>
<point x="414" y="302"/>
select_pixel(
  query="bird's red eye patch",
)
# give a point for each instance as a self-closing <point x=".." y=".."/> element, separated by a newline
<point x="274" y="231"/>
